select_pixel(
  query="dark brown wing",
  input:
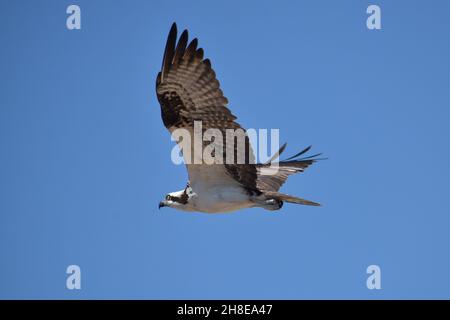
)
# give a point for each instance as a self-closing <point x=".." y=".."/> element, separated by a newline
<point x="271" y="176"/>
<point x="188" y="91"/>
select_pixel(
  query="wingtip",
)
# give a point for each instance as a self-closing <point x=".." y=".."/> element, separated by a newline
<point x="300" y="153"/>
<point x="184" y="33"/>
<point x="173" y="31"/>
<point x="277" y="154"/>
<point x="169" y="51"/>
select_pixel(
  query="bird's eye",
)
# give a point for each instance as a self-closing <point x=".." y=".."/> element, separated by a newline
<point x="168" y="197"/>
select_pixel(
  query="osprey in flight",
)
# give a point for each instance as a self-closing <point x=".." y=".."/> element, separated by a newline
<point x="188" y="91"/>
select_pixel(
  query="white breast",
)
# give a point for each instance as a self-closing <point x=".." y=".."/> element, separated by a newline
<point x="216" y="191"/>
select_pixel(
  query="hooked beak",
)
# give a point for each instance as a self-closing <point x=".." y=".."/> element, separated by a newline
<point x="161" y="204"/>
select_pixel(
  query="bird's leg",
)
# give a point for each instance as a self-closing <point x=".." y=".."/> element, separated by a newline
<point x="273" y="204"/>
<point x="187" y="187"/>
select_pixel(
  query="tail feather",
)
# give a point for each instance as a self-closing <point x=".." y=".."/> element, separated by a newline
<point x="291" y="199"/>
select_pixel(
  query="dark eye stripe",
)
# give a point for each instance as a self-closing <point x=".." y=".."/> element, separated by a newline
<point x="183" y="199"/>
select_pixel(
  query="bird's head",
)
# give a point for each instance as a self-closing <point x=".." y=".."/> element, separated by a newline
<point x="178" y="200"/>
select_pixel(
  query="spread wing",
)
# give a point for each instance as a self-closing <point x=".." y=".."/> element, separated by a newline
<point x="188" y="91"/>
<point x="271" y="178"/>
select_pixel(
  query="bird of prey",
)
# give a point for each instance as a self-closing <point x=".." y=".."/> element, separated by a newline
<point x="188" y="91"/>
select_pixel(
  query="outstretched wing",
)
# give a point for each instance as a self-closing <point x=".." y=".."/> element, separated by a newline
<point x="271" y="177"/>
<point x="188" y="91"/>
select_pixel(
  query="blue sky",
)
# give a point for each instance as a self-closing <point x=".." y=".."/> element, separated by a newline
<point x="85" y="158"/>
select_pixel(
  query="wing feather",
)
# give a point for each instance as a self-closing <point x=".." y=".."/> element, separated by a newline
<point x="188" y="91"/>
<point x="271" y="178"/>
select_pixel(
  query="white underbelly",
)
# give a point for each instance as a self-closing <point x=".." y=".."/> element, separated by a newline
<point x="221" y="199"/>
<point x="216" y="191"/>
